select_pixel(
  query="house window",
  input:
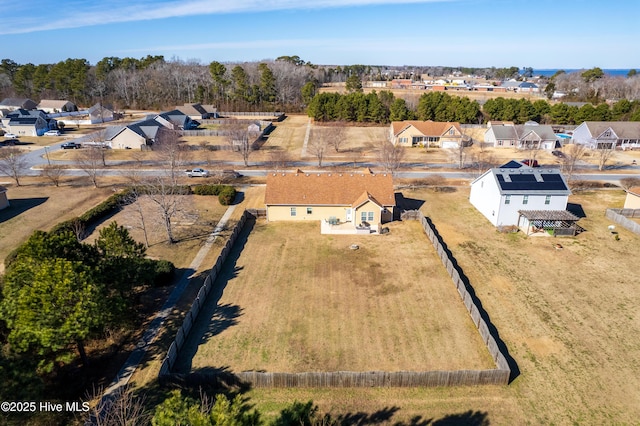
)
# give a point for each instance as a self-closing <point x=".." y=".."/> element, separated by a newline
<point x="363" y="216"/>
<point x="403" y="140"/>
<point x="525" y="199"/>
<point x="500" y="143"/>
<point x="547" y="199"/>
<point x="507" y="199"/>
<point x="309" y="210"/>
<point x="370" y="216"/>
<point x="293" y="211"/>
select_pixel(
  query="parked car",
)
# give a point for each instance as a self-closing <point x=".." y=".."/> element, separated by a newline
<point x="52" y="133"/>
<point x="530" y="163"/>
<point x="10" y="136"/>
<point x="227" y="173"/>
<point x="558" y="154"/>
<point x="197" y="173"/>
<point x="70" y="145"/>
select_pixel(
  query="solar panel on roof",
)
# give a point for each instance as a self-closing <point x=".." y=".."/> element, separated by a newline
<point x="522" y="178"/>
<point x="528" y="183"/>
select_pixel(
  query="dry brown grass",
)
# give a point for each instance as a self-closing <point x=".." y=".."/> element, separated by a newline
<point x="568" y="317"/>
<point x="325" y="307"/>
<point x="37" y="206"/>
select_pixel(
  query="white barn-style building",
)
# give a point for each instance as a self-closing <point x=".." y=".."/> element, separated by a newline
<point x="530" y="198"/>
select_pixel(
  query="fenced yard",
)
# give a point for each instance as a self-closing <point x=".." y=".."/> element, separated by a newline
<point x="323" y="307"/>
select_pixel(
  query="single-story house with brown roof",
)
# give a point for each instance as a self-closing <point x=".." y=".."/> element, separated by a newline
<point x="432" y="134"/>
<point x="633" y="198"/>
<point x="342" y="202"/>
<point x="4" y="200"/>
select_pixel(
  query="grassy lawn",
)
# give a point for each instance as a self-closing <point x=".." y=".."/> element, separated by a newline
<point x="325" y="307"/>
<point x="35" y="206"/>
<point x="568" y="317"/>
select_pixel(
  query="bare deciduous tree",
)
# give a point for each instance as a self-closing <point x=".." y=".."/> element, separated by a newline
<point x="121" y="407"/>
<point x="483" y="161"/>
<point x="280" y="159"/>
<point x="318" y="144"/>
<point x="170" y="151"/>
<point x="13" y="163"/>
<point x="336" y="135"/>
<point x="135" y="196"/>
<point x="572" y="154"/>
<point x="461" y="151"/>
<point x="90" y="161"/>
<point x="628" y="183"/>
<point x="54" y="173"/>
<point x="169" y="199"/>
<point x="390" y="156"/>
<point x="604" y="154"/>
<point x="240" y="137"/>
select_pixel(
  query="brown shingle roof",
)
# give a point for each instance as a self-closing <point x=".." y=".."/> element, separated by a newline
<point x="343" y="189"/>
<point x="635" y="191"/>
<point x="427" y="128"/>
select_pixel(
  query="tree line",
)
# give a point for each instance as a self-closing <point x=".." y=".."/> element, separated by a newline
<point x="383" y="107"/>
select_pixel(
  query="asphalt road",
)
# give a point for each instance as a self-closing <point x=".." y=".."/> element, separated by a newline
<point x="37" y="158"/>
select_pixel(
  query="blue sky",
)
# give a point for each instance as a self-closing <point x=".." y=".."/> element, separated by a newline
<point x="475" y="33"/>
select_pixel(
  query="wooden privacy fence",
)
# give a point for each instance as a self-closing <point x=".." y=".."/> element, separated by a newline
<point x="620" y="216"/>
<point x="199" y="301"/>
<point x="503" y="368"/>
<point x="498" y="376"/>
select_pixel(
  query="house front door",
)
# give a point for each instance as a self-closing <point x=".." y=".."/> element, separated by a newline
<point x="349" y="213"/>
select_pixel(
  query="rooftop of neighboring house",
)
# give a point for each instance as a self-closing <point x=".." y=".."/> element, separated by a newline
<point x="427" y="128"/>
<point x="53" y="103"/>
<point x="622" y="129"/>
<point x="344" y="189"/>
<point x="545" y="132"/>
<point x="504" y="132"/>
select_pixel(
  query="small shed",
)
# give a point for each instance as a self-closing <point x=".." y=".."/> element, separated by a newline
<point x="553" y="222"/>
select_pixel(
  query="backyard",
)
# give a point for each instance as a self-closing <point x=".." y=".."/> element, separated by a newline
<point x="327" y="307"/>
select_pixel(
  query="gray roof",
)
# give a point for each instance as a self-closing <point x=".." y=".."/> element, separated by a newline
<point x="544" y="132"/>
<point x="504" y="132"/>
<point x="622" y="129"/>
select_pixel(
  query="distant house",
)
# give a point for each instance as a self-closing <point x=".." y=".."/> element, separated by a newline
<point x="4" y="200"/>
<point x="532" y="199"/>
<point x="198" y="111"/>
<point x="520" y="86"/>
<point x="433" y="134"/>
<point x="501" y="135"/>
<point x="608" y="134"/>
<point x="100" y="114"/>
<point x="134" y="136"/>
<point x="13" y="104"/>
<point x="342" y="202"/>
<point x="537" y="136"/>
<point x="26" y="122"/>
<point x="50" y="106"/>
<point x="176" y="120"/>
<point x="633" y="198"/>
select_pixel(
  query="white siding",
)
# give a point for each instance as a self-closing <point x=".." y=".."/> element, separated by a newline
<point x="485" y="196"/>
<point x="582" y="135"/>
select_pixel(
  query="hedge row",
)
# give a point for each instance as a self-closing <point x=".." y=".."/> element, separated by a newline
<point x="226" y="194"/>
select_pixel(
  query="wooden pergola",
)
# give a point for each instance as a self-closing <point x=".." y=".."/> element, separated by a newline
<point x="555" y="222"/>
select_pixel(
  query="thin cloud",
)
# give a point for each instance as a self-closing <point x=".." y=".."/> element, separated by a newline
<point x="79" y="13"/>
